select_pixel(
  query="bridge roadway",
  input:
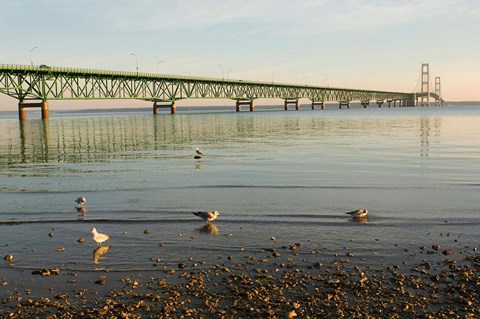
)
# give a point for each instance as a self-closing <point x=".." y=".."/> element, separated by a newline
<point x="34" y="86"/>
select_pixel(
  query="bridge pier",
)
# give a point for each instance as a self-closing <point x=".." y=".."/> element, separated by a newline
<point x="379" y="103"/>
<point x="321" y="103"/>
<point x="159" y="105"/>
<point x="22" y="112"/>
<point x="22" y="109"/>
<point x="365" y="104"/>
<point x="344" y="103"/>
<point x="245" y="102"/>
<point x="291" y="101"/>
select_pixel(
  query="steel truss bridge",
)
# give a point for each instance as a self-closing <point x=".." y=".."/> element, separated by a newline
<point x="34" y="86"/>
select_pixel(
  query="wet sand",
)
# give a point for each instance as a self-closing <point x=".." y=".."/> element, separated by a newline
<point x="283" y="281"/>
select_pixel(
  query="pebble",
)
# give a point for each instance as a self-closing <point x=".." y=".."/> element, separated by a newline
<point x="447" y="252"/>
<point x="182" y="265"/>
<point x="288" y="287"/>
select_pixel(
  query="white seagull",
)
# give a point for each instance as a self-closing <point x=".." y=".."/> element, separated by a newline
<point x="358" y="213"/>
<point x="208" y="216"/>
<point x="81" y="201"/>
<point x="99" y="238"/>
<point x="198" y="152"/>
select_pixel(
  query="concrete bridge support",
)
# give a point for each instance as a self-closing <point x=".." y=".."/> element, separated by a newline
<point x="160" y="105"/>
<point x="344" y="103"/>
<point x="22" y="109"/>
<point x="294" y="102"/>
<point x="245" y="102"/>
<point x="379" y="103"/>
<point x="321" y="103"/>
<point x="365" y="104"/>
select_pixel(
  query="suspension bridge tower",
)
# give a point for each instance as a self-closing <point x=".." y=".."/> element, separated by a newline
<point x="438" y="90"/>
<point x="425" y="85"/>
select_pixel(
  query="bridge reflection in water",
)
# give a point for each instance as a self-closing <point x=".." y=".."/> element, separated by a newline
<point x="119" y="138"/>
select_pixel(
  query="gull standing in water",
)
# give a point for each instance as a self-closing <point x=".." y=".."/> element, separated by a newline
<point x="81" y="201"/>
<point x="208" y="216"/>
<point x="99" y="238"/>
<point x="198" y="151"/>
<point x="359" y="213"/>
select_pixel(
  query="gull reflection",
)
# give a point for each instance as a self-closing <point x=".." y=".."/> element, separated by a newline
<point x="361" y="220"/>
<point x="98" y="252"/>
<point x="208" y="229"/>
<point x="82" y="211"/>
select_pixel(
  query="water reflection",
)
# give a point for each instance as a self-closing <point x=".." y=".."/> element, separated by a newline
<point x="98" y="253"/>
<point x="82" y="212"/>
<point x="428" y="126"/>
<point x="360" y="220"/>
<point x="208" y="228"/>
<point x="104" y="139"/>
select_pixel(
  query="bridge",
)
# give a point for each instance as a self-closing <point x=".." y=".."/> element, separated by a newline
<point x="34" y="86"/>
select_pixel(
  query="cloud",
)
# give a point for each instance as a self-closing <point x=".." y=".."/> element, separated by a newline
<point x="275" y="17"/>
<point x="280" y="16"/>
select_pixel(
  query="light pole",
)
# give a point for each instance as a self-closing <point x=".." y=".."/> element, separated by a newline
<point x="273" y="76"/>
<point x="31" y="51"/>
<point x="158" y="66"/>
<point x="222" y="70"/>
<point x="136" y="60"/>
<point x="228" y="73"/>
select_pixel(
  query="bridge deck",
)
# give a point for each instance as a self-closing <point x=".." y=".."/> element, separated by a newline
<point x="25" y="82"/>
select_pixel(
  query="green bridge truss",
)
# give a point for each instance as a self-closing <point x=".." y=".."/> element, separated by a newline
<point x="44" y="83"/>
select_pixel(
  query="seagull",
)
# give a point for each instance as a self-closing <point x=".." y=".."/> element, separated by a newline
<point x="208" y="216"/>
<point x="358" y="213"/>
<point x="99" y="238"/>
<point x="81" y="201"/>
<point x="198" y="152"/>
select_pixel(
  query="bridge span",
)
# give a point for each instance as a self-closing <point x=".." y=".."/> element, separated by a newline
<point x="34" y="86"/>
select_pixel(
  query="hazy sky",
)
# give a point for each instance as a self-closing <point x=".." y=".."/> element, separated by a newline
<point x="370" y="44"/>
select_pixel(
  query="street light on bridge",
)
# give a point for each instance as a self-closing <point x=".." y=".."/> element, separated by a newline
<point x="158" y="66"/>
<point x="220" y="65"/>
<point x="228" y="73"/>
<point x="31" y="51"/>
<point x="273" y="76"/>
<point x="136" y="60"/>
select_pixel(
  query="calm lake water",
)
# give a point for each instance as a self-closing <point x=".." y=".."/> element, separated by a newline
<point x="291" y="175"/>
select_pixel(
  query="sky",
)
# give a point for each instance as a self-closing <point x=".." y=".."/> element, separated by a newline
<point x="364" y="44"/>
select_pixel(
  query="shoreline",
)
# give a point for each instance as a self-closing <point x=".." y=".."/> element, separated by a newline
<point x="282" y="282"/>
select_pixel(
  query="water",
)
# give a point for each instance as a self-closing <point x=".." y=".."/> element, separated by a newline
<point x="291" y="175"/>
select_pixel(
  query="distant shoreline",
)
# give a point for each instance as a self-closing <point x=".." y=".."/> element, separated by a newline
<point x="463" y="102"/>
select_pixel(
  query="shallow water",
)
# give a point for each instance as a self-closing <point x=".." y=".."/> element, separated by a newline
<point x="291" y="175"/>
